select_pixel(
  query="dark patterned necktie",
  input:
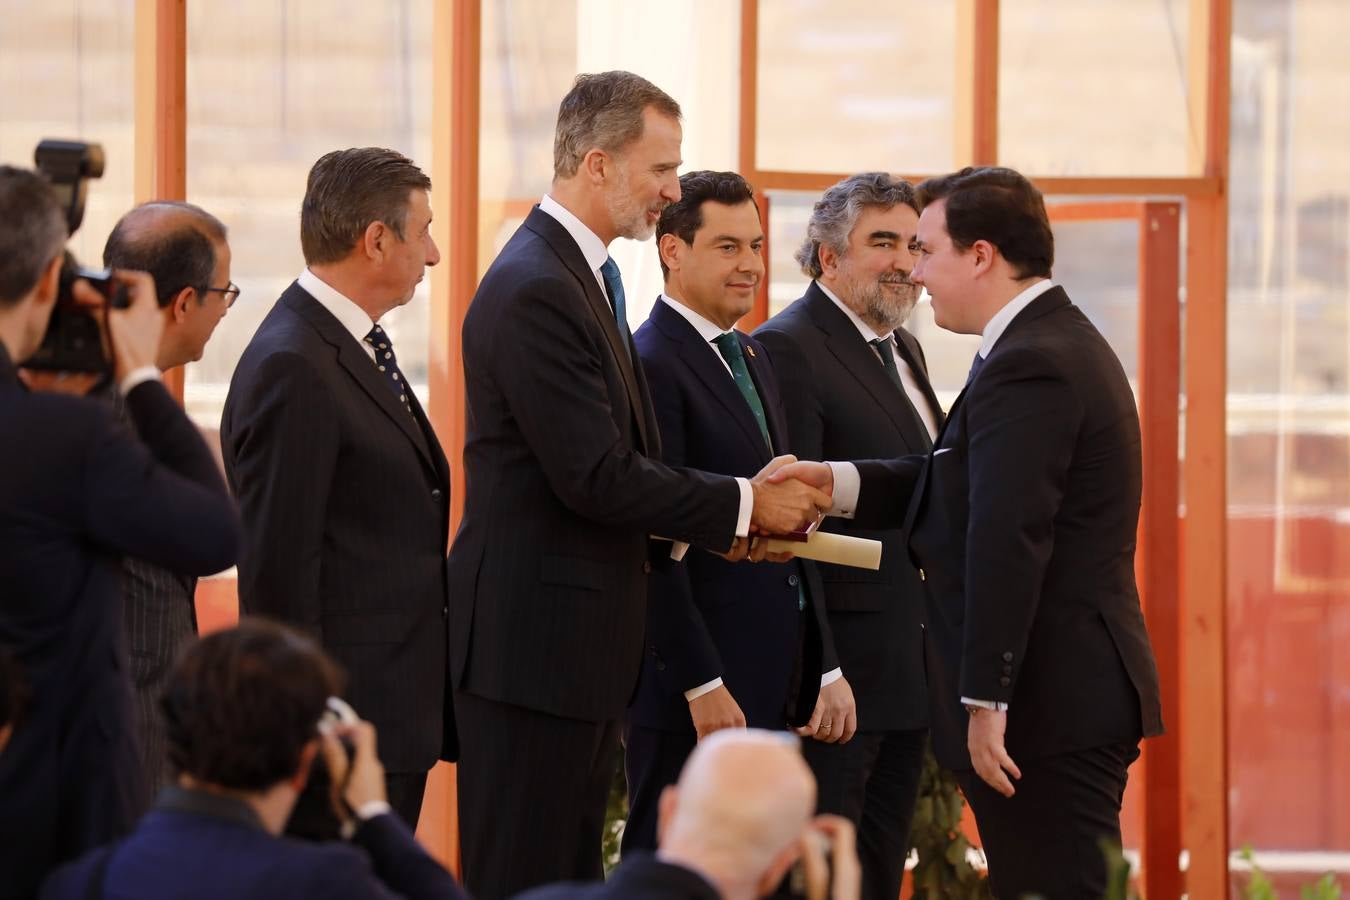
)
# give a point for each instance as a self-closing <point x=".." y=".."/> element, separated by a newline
<point x="388" y="365"/>
<point x="614" y="285"/>
<point x="730" y="347"/>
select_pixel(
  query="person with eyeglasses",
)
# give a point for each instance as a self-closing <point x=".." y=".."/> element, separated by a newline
<point x="186" y="250"/>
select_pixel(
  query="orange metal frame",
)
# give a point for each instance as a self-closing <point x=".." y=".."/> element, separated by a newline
<point x="1192" y="657"/>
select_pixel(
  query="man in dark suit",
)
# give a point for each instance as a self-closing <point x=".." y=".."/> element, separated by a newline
<point x="241" y="707"/>
<point x="738" y="819"/>
<point x="184" y="248"/>
<point x="548" y="571"/>
<point x="343" y="487"/>
<point x="855" y="385"/>
<point x="728" y="645"/>
<point x="78" y="491"/>
<point x="1022" y="527"/>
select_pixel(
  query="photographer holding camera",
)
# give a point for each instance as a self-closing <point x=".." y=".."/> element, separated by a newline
<point x="242" y="711"/>
<point x="78" y="491"/>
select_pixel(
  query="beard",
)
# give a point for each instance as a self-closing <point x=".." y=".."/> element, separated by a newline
<point x="627" y="213"/>
<point x="885" y="307"/>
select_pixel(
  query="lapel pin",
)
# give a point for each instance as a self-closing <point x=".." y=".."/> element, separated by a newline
<point x="751" y="351"/>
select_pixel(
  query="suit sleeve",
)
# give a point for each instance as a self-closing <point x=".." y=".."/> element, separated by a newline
<point x="283" y="453"/>
<point x="402" y="867"/>
<point x="675" y="625"/>
<point x="550" y="372"/>
<point x="1022" y="424"/>
<point x="159" y="498"/>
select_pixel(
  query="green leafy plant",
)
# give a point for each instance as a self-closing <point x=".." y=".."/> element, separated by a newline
<point x="943" y="871"/>
<point x="1260" y="887"/>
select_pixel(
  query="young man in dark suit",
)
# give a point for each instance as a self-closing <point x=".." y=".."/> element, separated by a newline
<point x="549" y="569"/>
<point x="78" y="491"/>
<point x="243" y="710"/>
<point x="728" y="645"/>
<point x="343" y="487"/>
<point x="1022" y="526"/>
<point x="855" y="385"/>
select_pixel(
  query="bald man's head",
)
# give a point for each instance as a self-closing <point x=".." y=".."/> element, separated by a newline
<point x="177" y="243"/>
<point x="740" y="807"/>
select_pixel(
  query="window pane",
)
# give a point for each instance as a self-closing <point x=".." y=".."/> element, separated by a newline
<point x="66" y="71"/>
<point x="850" y="86"/>
<point x="1093" y="88"/>
<point x="271" y="88"/>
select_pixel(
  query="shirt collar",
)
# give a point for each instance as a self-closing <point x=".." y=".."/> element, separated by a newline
<point x="1003" y="318"/>
<point x="352" y="317"/>
<point x="591" y="246"/>
<point x="707" y="330"/>
<point x="868" y="333"/>
<point x="203" y="803"/>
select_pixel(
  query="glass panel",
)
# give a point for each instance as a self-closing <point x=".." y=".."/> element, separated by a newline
<point x="1093" y="88"/>
<point x="66" y="71"/>
<point x="533" y="49"/>
<point x="271" y="88"/>
<point x="1289" y="438"/>
<point x="853" y="85"/>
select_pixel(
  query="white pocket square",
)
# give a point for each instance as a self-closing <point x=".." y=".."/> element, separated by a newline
<point x="942" y="451"/>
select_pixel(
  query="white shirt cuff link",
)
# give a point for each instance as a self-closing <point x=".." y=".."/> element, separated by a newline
<point x="847" y="486"/>
<point x="747" y="507"/>
<point x="831" y="676"/>
<point x="694" y="693"/>
<point x="995" y="705"/>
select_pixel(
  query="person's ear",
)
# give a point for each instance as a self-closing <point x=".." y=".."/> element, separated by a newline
<point x="178" y="306"/>
<point x="374" y="240"/>
<point x="596" y="164"/>
<point x="983" y="254"/>
<point x="49" y="283"/>
<point x="829" y="259"/>
<point x="672" y="250"/>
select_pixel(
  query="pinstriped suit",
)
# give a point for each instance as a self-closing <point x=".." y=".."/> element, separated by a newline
<point x="345" y="500"/>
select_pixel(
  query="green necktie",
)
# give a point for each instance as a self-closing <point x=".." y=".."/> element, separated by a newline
<point x="883" y="348"/>
<point x="730" y="348"/>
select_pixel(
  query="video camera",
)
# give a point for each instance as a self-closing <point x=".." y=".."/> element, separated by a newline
<point x="74" y="340"/>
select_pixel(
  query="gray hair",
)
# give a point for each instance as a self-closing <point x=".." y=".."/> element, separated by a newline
<point x="32" y="231"/>
<point x="838" y="210"/>
<point x="604" y="112"/>
<point x="348" y="190"/>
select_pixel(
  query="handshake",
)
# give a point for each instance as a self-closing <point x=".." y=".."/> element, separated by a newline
<point x="788" y="496"/>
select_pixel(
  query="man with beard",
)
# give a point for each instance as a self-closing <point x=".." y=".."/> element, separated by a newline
<point x="548" y="572"/>
<point x="855" y="386"/>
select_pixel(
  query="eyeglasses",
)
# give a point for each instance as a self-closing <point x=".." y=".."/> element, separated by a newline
<point x="230" y="293"/>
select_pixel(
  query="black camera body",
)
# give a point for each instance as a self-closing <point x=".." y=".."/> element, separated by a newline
<point x="74" y="339"/>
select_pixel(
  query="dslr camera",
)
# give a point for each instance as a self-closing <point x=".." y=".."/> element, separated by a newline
<point x="74" y="340"/>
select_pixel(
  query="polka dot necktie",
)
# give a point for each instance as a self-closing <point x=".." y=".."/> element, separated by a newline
<point x="388" y="364"/>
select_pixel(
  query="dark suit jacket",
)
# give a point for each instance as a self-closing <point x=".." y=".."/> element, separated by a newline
<point x="548" y="572"/>
<point x="641" y="876"/>
<point x="346" y="500"/>
<point x="842" y="405"/>
<point x="77" y="491"/>
<point x="1023" y="524"/>
<point x="203" y="847"/>
<point x="706" y="617"/>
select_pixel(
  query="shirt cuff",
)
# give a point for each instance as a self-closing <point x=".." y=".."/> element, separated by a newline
<point x="372" y="809"/>
<point x="847" y="486"/>
<point x="138" y="376"/>
<point x="747" y="507"/>
<point x="995" y="705"/>
<point x="693" y="694"/>
<point x="831" y="676"/>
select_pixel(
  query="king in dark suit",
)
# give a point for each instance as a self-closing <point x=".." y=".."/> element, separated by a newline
<point x="343" y="487"/>
<point x="548" y="572"/>
<point x="728" y="645"/>
<point x="855" y="385"/>
<point x="1022" y="525"/>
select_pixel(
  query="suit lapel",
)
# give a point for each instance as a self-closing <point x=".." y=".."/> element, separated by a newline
<point x="361" y="368"/>
<point x="548" y="228"/>
<point x="912" y="354"/>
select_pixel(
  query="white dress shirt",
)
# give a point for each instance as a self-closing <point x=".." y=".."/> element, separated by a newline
<point x="711" y="332"/>
<point x="353" y="318"/>
<point x="847" y="484"/>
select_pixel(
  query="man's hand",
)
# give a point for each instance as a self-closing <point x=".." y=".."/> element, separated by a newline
<point x="135" y="331"/>
<point x="835" y="719"/>
<point x="835" y="835"/>
<point x="785" y="504"/>
<point x="754" y="549"/>
<point x="817" y="474"/>
<point x="984" y="738"/>
<point x="714" y="711"/>
<point x="363" y="781"/>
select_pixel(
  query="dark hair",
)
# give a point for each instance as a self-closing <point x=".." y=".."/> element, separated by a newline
<point x="685" y="217"/>
<point x="178" y="255"/>
<point x="32" y="231"/>
<point x="241" y="704"/>
<point x="839" y="208"/>
<point x="348" y="190"/>
<point x="1001" y="206"/>
<point x="13" y="690"/>
<point x="604" y="111"/>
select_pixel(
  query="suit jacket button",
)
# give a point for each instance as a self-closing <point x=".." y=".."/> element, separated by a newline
<point x="1005" y="681"/>
<point x="660" y="666"/>
<point x="435" y="493"/>
<point x="793" y="580"/>
<point x="445" y="612"/>
<point x="1007" y="670"/>
<point x="1007" y="656"/>
<point x="646" y="568"/>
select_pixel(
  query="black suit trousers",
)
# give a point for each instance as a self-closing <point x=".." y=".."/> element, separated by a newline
<point x="534" y="809"/>
<point x="1046" y="840"/>
<point x="873" y="781"/>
